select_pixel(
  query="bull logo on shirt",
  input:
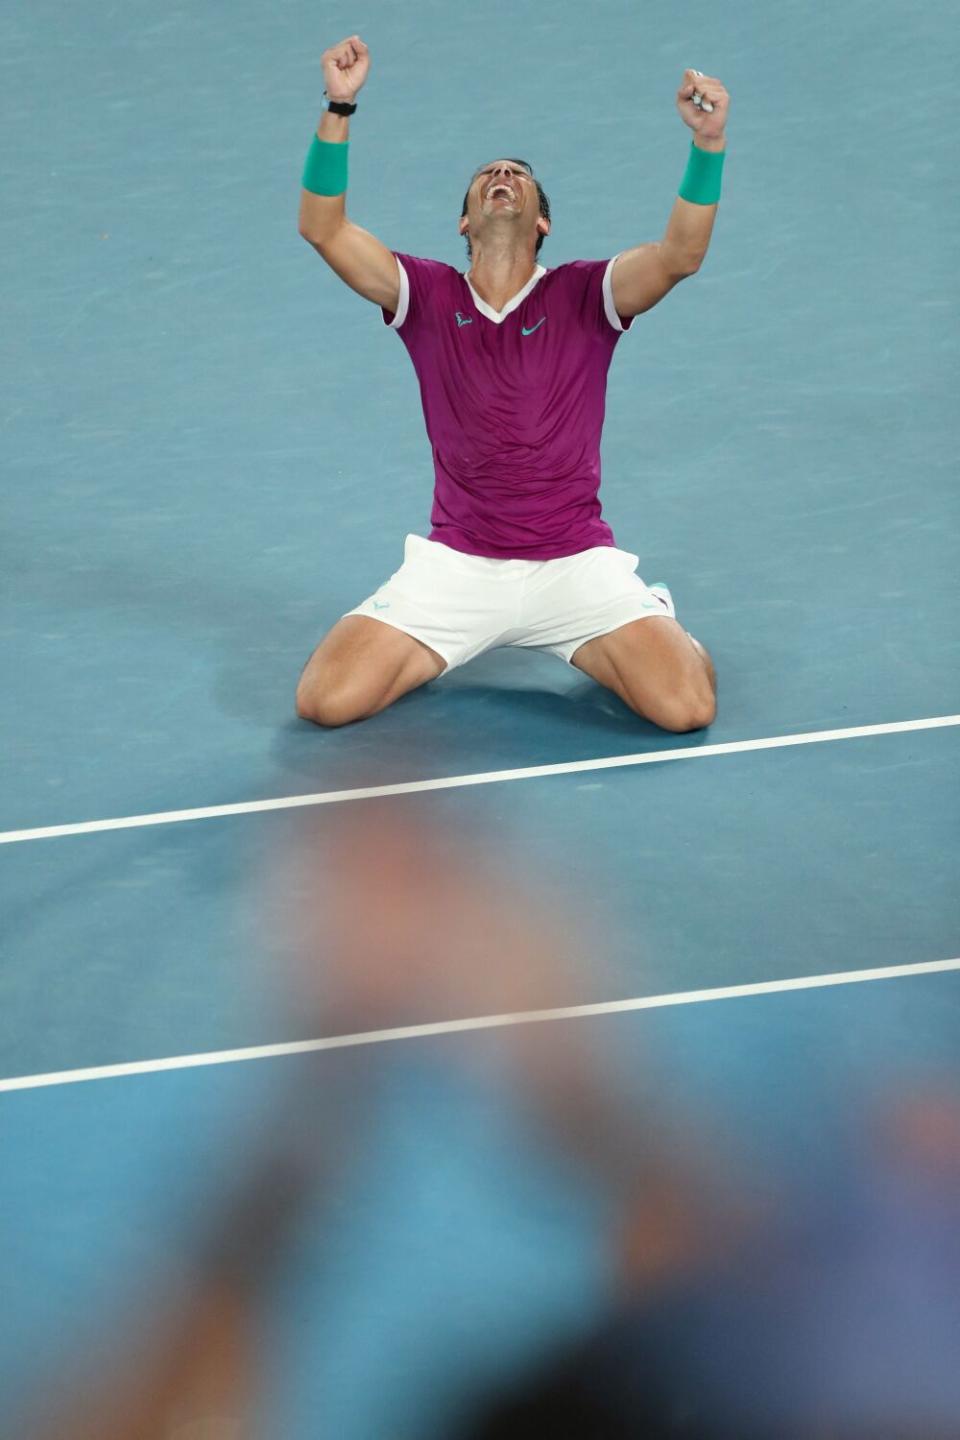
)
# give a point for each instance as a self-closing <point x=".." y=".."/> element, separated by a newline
<point x="463" y="319"/>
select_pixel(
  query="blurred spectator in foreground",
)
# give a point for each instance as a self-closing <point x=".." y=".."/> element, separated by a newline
<point x="730" y="1314"/>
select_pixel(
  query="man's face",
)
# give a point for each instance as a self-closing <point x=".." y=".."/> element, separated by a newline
<point x="502" y="189"/>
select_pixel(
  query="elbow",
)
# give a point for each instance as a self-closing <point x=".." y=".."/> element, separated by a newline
<point x="313" y="238"/>
<point x="688" y="265"/>
<point x="318" y="235"/>
<point x="680" y="264"/>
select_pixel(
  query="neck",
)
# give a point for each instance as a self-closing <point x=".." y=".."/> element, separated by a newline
<point x="497" y="272"/>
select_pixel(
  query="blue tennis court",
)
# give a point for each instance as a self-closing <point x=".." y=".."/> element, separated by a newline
<point x="359" y="1082"/>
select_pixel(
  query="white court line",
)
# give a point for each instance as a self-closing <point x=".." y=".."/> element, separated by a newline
<point x="482" y="1022"/>
<point x="452" y="782"/>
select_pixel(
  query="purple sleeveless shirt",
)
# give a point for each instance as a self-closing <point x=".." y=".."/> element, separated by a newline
<point x="513" y="404"/>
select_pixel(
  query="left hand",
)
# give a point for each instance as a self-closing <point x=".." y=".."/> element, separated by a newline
<point x="704" y="125"/>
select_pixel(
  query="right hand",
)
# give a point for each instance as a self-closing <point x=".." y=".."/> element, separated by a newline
<point x="345" y="68"/>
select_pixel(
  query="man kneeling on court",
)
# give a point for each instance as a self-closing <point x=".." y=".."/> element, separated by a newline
<point x="512" y="361"/>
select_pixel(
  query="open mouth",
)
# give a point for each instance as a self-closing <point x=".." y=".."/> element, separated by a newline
<point x="501" y="192"/>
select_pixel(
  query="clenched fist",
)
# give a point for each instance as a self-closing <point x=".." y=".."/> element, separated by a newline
<point x="345" y="68"/>
<point x="704" y="124"/>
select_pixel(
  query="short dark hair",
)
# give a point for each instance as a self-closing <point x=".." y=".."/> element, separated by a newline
<point x="541" y="193"/>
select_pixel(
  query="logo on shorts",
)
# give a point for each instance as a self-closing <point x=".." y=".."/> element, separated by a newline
<point x="463" y="319"/>
<point x="525" y="331"/>
<point x="381" y="604"/>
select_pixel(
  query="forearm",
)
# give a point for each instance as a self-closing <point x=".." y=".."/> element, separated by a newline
<point x="321" y="215"/>
<point x="687" y="236"/>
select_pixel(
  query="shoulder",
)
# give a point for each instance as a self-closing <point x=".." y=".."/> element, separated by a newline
<point x="423" y="283"/>
<point x="589" y="284"/>
<point x="432" y="270"/>
<point x="427" y="280"/>
<point x="580" y="278"/>
<point x="579" y="271"/>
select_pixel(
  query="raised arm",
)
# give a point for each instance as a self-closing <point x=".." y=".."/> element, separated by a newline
<point x="358" y="257"/>
<point x="642" y="277"/>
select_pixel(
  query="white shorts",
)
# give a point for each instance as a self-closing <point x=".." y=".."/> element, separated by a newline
<point x="461" y="605"/>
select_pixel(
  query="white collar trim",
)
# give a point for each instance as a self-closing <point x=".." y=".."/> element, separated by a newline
<point x="498" y="316"/>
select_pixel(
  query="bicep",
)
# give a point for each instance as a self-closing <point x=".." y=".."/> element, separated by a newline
<point x="639" y="279"/>
<point x="364" y="264"/>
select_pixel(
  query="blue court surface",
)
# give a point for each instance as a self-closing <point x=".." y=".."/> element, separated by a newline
<point x="348" y="1114"/>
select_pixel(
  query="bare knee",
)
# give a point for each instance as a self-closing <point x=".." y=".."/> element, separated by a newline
<point x="682" y="716"/>
<point x="693" y="705"/>
<point x="329" y="703"/>
<point x="685" y="712"/>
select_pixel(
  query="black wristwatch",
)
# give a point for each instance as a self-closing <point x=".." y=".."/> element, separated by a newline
<point x="340" y="107"/>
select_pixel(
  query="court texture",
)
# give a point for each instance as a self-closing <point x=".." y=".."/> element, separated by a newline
<point x="212" y="448"/>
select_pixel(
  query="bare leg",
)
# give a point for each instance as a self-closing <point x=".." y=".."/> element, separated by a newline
<point x="657" y="669"/>
<point x="360" y="668"/>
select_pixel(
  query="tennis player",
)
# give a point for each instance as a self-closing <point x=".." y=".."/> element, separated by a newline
<point x="512" y="361"/>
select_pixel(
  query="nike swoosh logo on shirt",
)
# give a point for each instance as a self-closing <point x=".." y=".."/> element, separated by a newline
<point x="525" y="331"/>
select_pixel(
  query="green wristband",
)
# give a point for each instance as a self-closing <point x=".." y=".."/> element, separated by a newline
<point x="325" y="172"/>
<point x="701" y="182"/>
